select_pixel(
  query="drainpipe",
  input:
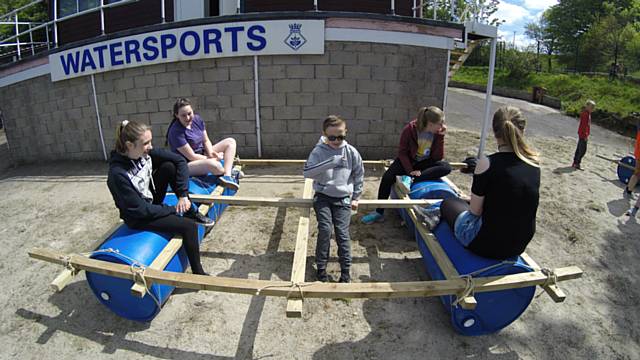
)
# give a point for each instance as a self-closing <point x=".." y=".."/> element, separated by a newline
<point x="95" y="104"/>
<point x="256" y="94"/>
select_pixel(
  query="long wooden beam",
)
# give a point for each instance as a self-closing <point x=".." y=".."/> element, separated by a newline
<point x="66" y="276"/>
<point x="618" y="162"/>
<point x="159" y="263"/>
<point x="294" y="306"/>
<point x="311" y="289"/>
<point x="454" y="165"/>
<point x="302" y="202"/>
<point x="444" y="263"/>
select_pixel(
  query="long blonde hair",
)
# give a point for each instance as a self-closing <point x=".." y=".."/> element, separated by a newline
<point x="431" y="114"/>
<point x="128" y="131"/>
<point x="509" y="124"/>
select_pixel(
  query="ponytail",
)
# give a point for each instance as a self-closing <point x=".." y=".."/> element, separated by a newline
<point x="128" y="131"/>
<point x="431" y="114"/>
<point x="508" y="125"/>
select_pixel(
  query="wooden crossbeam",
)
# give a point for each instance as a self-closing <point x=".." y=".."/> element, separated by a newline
<point x="294" y="306"/>
<point x="618" y="162"/>
<point x="66" y="276"/>
<point x="454" y="165"/>
<point x="444" y="263"/>
<point x="159" y="263"/>
<point x="553" y="290"/>
<point x="311" y="289"/>
<point x="304" y="203"/>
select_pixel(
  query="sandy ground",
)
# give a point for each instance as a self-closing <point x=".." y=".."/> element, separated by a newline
<point x="67" y="205"/>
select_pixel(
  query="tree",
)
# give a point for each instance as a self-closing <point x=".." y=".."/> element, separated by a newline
<point x="535" y="32"/>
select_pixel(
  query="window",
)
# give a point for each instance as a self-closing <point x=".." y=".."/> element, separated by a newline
<point x="70" y="7"/>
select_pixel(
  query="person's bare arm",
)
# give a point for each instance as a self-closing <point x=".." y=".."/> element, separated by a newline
<point x="188" y="152"/>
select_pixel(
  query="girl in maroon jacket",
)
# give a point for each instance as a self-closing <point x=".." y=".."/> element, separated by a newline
<point x="584" y="131"/>
<point x="420" y="155"/>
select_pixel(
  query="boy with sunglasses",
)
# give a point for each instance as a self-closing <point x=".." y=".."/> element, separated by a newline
<point x="338" y="174"/>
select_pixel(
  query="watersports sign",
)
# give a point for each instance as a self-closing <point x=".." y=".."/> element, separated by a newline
<point x="274" y="37"/>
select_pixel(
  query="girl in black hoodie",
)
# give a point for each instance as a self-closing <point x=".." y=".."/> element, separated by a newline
<point x="138" y="180"/>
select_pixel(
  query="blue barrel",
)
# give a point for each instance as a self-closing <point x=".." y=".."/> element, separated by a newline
<point x="495" y="310"/>
<point x="624" y="173"/>
<point x="435" y="189"/>
<point x="128" y="246"/>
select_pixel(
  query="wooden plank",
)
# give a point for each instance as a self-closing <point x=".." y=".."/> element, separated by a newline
<point x="304" y="203"/>
<point x="66" y="276"/>
<point x="618" y="162"/>
<point x="297" y="162"/>
<point x="444" y="263"/>
<point x="311" y="289"/>
<point x="159" y="263"/>
<point x="556" y="294"/>
<point x="294" y="306"/>
<point x="204" y="208"/>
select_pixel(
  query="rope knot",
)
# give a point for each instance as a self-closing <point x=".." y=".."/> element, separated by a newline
<point x="469" y="290"/>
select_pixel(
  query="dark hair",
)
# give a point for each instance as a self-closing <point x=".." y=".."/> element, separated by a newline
<point x="128" y="131"/>
<point x="179" y="104"/>
<point x="333" y="120"/>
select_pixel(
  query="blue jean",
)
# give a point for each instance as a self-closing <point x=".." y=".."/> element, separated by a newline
<point x="467" y="227"/>
<point x="333" y="214"/>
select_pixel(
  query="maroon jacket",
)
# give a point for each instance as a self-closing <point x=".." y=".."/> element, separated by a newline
<point x="409" y="146"/>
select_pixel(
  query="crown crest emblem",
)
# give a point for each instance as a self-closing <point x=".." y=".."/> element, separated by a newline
<point x="295" y="39"/>
<point x="295" y="27"/>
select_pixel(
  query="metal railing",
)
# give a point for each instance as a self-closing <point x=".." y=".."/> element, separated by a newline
<point x="472" y="9"/>
<point x="51" y="25"/>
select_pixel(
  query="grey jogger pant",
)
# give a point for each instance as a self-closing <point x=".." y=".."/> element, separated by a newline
<point x="333" y="214"/>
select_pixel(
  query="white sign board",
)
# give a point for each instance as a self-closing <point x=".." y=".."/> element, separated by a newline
<point x="270" y="37"/>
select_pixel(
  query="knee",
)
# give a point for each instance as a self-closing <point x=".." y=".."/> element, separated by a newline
<point x="214" y="166"/>
<point x="230" y="142"/>
<point x="167" y="167"/>
<point x="446" y="168"/>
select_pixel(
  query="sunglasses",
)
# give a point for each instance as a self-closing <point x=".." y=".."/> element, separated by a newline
<point x="334" y="138"/>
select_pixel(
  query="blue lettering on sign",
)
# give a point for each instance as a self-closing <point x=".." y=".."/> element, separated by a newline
<point x="167" y="41"/>
<point x="100" y="50"/>
<point x="234" y="30"/>
<point x="71" y="62"/>
<point x="114" y="53"/>
<point x="131" y="47"/>
<point x="196" y="43"/>
<point x="87" y="60"/>
<point x="251" y="34"/>
<point x="208" y="40"/>
<point x="149" y="48"/>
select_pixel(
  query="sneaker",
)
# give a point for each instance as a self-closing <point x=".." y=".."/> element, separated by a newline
<point x="405" y="181"/>
<point x="199" y="218"/>
<point x="322" y="275"/>
<point x="345" y="277"/>
<point x="577" y="166"/>
<point x="627" y="193"/>
<point x="235" y="173"/>
<point x="430" y="216"/>
<point x="372" y="217"/>
<point x="632" y="212"/>
<point x="228" y="182"/>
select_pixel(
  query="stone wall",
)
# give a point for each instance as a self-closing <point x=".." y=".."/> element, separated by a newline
<point x="377" y="88"/>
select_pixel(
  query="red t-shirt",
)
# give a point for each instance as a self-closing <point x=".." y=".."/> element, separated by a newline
<point x="585" y="125"/>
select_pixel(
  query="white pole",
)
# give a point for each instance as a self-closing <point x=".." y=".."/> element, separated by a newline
<point x="453" y="9"/>
<point x="487" y="103"/>
<point x="17" y="37"/>
<point x="46" y="31"/>
<point x="95" y="104"/>
<point x="162" y="15"/>
<point x="315" y="5"/>
<point x="446" y="82"/>
<point x="238" y="7"/>
<point x="435" y="7"/>
<point x="33" y="51"/>
<point x="102" y="17"/>
<point x="256" y="94"/>
<point x="414" y="8"/>
<point x="393" y="7"/>
<point x="55" y="23"/>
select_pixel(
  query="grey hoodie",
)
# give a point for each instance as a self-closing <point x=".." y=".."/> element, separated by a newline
<point x="336" y="172"/>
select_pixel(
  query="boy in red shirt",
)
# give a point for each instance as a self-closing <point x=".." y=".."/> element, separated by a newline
<point x="583" y="133"/>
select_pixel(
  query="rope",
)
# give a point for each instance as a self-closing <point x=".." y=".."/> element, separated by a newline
<point x="469" y="290"/>
<point x="552" y="279"/>
<point x="292" y="286"/>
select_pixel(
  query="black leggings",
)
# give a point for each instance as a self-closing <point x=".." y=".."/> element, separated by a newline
<point x="451" y="208"/>
<point x="430" y="170"/>
<point x="164" y="175"/>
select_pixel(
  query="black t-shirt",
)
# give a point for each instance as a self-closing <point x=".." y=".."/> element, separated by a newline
<point x="511" y="191"/>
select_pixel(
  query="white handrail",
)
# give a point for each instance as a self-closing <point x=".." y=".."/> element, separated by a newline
<point x="19" y="9"/>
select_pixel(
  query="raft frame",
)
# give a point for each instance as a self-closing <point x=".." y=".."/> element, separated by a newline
<point x="296" y="290"/>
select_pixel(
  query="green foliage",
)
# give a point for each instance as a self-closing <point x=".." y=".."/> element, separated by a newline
<point x="619" y="97"/>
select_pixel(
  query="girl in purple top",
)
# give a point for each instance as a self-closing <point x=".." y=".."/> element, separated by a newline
<point x="188" y="137"/>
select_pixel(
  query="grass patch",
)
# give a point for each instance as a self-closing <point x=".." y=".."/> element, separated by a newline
<point x="618" y="96"/>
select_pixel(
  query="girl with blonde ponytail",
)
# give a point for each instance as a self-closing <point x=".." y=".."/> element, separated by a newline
<point x="500" y="219"/>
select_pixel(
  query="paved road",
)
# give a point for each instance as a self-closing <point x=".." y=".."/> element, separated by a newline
<point x="465" y="110"/>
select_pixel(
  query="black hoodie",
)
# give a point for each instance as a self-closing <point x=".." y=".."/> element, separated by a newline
<point x="132" y="205"/>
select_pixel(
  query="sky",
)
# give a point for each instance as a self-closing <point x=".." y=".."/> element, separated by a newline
<point x="516" y="14"/>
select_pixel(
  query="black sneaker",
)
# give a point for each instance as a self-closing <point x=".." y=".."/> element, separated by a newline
<point x="322" y="275"/>
<point x="345" y="277"/>
<point x="199" y="218"/>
